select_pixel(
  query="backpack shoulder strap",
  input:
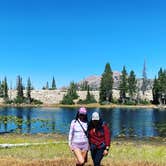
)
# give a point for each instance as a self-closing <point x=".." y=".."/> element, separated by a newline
<point x="82" y="127"/>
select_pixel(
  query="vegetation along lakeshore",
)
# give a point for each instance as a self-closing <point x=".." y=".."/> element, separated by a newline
<point x="109" y="90"/>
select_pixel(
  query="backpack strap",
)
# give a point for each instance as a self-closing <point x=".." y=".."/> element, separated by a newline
<point x="83" y="129"/>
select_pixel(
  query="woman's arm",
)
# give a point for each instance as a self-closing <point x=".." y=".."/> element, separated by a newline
<point x="107" y="139"/>
<point x="107" y="135"/>
<point x="71" y="132"/>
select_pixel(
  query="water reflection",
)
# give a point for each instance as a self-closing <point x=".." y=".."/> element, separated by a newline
<point x="28" y="115"/>
<point x="131" y="122"/>
<point x="19" y="115"/>
<point x="5" y="121"/>
<point x="122" y="122"/>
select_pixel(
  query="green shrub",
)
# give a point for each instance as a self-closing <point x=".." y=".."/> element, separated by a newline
<point x="115" y="101"/>
<point x="105" y="102"/>
<point x="9" y="101"/>
<point x="67" y="99"/>
<point x="80" y="101"/>
<point x="89" y="99"/>
<point x="145" y="102"/>
<point x="19" y="100"/>
<point x="161" y="127"/>
<point x="36" y="102"/>
<point x="86" y="101"/>
<point x="23" y="101"/>
<point x="130" y="102"/>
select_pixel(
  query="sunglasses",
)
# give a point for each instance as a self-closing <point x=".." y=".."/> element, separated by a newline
<point x="81" y="114"/>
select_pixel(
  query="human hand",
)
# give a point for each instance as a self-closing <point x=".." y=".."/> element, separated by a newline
<point x="105" y="153"/>
<point x="71" y="149"/>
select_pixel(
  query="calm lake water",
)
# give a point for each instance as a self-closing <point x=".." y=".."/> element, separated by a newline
<point x="127" y="122"/>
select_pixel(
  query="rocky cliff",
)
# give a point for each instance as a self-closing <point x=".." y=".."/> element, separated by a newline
<point x="55" y="96"/>
<point x="94" y="81"/>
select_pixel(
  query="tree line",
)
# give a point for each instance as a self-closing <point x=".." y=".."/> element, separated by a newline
<point x="20" y="96"/>
<point x="53" y="85"/>
<point x="20" y="88"/>
<point x="159" y="88"/>
<point x="72" y="95"/>
<point x="128" y="89"/>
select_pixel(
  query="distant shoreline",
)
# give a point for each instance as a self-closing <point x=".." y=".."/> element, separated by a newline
<point x="96" y="105"/>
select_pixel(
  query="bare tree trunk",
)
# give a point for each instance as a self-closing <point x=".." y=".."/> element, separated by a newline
<point x="160" y="101"/>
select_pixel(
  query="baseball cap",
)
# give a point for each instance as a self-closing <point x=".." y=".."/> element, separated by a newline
<point x="95" y="116"/>
<point x="82" y="110"/>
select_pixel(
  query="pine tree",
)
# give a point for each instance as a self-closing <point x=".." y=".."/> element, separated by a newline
<point x="162" y="86"/>
<point x="84" y="86"/>
<point x="106" y="85"/>
<point x="155" y="91"/>
<point x="72" y="91"/>
<point x="89" y="97"/>
<point x="123" y="87"/>
<point x="5" y="86"/>
<point x="4" y="89"/>
<point x="20" y="94"/>
<point x="29" y="87"/>
<point x="160" y="78"/>
<point x="47" y="86"/>
<point x="132" y="83"/>
<point x="71" y="94"/>
<point x="43" y="88"/>
<point x="53" y="84"/>
<point x="144" y="79"/>
<point x="159" y="88"/>
<point x="1" y="89"/>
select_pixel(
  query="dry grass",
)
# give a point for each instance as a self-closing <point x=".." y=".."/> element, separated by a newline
<point x="123" y="152"/>
<point x="70" y="162"/>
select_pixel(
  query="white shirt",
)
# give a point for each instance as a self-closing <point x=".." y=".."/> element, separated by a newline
<point x="76" y="133"/>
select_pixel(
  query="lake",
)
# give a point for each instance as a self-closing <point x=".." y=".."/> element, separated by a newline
<point x="126" y="122"/>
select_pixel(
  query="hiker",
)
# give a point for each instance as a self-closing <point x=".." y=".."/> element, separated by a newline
<point x="78" y="141"/>
<point x="99" y="138"/>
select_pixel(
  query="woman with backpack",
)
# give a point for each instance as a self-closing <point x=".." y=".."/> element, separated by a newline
<point x="99" y="138"/>
<point x="78" y="141"/>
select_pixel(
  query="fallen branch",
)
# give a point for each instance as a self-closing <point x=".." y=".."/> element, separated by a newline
<point x="29" y="144"/>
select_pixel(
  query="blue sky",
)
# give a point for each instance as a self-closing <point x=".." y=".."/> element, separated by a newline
<point x="72" y="39"/>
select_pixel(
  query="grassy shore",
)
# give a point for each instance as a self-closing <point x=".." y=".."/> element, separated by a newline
<point x="97" y="105"/>
<point x="94" y="105"/>
<point x="151" y="152"/>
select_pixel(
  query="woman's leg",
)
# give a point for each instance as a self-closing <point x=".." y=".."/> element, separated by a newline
<point x="98" y="156"/>
<point x="84" y="154"/>
<point x="79" y="156"/>
<point x="93" y="155"/>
